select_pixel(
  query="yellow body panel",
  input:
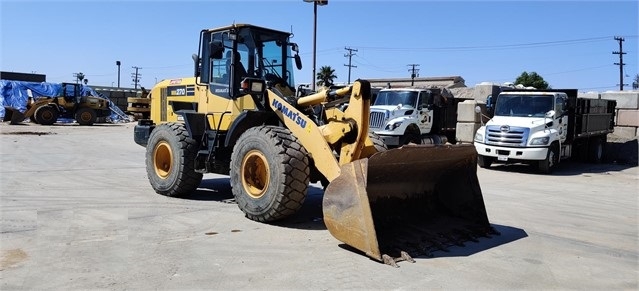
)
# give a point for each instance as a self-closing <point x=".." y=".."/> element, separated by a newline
<point x="221" y="110"/>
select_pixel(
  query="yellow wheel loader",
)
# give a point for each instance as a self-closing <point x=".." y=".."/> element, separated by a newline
<point x="239" y="116"/>
<point x="70" y="104"/>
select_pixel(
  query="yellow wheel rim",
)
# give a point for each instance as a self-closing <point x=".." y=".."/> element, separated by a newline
<point x="47" y="114"/>
<point x="255" y="174"/>
<point x="85" y="116"/>
<point x="162" y="159"/>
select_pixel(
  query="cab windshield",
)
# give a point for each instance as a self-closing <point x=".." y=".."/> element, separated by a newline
<point x="407" y="99"/>
<point x="523" y="105"/>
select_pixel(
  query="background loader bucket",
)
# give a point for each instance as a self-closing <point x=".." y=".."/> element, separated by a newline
<point x="407" y="202"/>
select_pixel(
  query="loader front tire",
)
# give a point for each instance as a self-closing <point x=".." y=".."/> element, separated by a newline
<point x="170" y="160"/>
<point x="269" y="173"/>
<point x="46" y="115"/>
<point x="378" y="142"/>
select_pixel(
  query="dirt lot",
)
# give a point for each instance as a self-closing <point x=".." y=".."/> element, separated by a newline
<point x="77" y="212"/>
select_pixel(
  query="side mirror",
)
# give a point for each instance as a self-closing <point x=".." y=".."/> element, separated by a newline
<point x="216" y="49"/>
<point x="550" y="114"/>
<point x="196" y="64"/>
<point x="298" y="62"/>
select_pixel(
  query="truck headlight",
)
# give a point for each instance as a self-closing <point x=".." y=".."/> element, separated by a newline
<point x="540" y="140"/>
<point x="393" y="126"/>
<point x="479" y="137"/>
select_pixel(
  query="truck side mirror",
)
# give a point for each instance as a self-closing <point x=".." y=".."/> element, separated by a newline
<point x="550" y="114"/>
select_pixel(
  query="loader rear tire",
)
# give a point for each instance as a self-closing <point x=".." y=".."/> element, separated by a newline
<point x="85" y="116"/>
<point x="269" y="173"/>
<point x="46" y="115"/>
<point x="170" y="160"/>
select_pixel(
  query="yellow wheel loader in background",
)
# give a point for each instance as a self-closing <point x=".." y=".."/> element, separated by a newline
<point x="240" y="117"/>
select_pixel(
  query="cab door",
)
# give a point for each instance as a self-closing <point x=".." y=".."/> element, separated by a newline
<point x="425" y="112"/>
<point x="561" y="116"/>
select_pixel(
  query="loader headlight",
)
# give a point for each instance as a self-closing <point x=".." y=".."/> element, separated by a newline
<point x="479" y="137"/>
<point x="540" y="140"/>
<point x="253" y="86"/>
<point x="393" y="126"/>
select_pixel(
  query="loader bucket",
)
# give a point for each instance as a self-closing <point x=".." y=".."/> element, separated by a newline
<point x="409" y="201"/>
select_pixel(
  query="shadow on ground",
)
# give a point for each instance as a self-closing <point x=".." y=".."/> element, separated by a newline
<point x="309" y="216"/>
<point x="507" y="234"/>
<point x="565" y="168"/>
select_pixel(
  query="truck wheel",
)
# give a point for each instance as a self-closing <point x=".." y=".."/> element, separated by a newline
<point x="552" y="159"/>
<point x="46" y="115"/>
<point x="412" y="135"/>
<point x="484" y="162"/>
<point x="269" y="173"/>
<point x="170" y="160"/>
<point x="595" y="150"/>
<point x="85" y="116"/>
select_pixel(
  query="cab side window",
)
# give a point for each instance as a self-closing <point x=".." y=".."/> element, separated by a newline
<point x="560" y="105"/>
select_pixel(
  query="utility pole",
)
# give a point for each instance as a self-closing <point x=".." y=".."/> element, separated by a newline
<point x="349" y="55"/>
<point x="136" y="77"/>
<point x="414" y="73"/>
<point x="620" y="63"/>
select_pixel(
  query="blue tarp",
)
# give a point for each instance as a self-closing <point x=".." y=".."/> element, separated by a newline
<point x="15" y="94"/>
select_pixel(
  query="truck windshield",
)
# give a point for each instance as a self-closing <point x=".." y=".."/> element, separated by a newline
<point x="405" y="98"/>
<point x="523" y="105"/>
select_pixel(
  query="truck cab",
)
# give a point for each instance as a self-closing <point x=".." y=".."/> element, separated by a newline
<point x="413" y="115"/>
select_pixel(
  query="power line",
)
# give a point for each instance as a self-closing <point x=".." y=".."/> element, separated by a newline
<point x="349" y="55"/>
<point x="493" y="47"/>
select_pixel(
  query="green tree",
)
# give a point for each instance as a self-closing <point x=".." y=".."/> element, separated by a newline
<point x="325" y="76"/>
<point x="635" y="83"/>
<point x="532" y="79"/>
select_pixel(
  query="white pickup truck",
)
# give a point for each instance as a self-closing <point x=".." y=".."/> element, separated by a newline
<point x="540" y="127"/>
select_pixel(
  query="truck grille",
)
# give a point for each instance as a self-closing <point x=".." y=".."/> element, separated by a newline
<point x="377" y="120"/>
<point x="507" y="135"/>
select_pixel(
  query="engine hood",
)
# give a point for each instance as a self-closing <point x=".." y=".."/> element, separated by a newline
<point x="525" y="122"/>
<point x="391" y="110"/>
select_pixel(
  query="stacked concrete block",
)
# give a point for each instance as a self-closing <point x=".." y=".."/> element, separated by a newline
<point x="627" y="113"/>
<point x="589" y="95"/>
<point x="468" y="121"/>
<point x="482" y="91"/>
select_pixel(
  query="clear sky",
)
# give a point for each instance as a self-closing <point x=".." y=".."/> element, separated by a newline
<point x="569" y="43"/>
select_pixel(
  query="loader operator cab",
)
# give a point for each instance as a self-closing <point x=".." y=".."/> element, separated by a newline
<point x="230" y="54"/>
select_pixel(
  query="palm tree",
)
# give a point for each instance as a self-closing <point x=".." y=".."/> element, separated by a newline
<point x="80" y="77"/>
<point x="325" y="76"/>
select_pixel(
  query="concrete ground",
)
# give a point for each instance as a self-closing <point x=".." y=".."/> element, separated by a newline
<point x="77" y="212"/>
